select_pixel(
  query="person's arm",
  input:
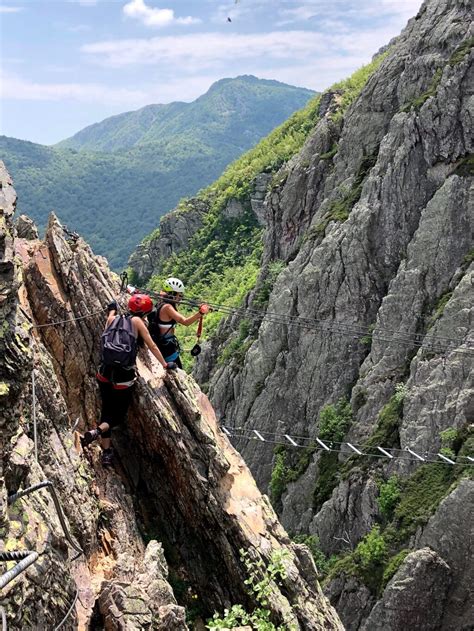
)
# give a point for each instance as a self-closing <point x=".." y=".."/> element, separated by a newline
<point x="145" y="335"/>
<point x="112" y="309"/>
<point x="171" y="312"/>
<point x="110" y="319"/>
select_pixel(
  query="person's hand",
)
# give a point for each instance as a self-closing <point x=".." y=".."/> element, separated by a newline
<point x="171" y="366"/>
<point x="112" y="306"/>
<point x="204" y="309"/>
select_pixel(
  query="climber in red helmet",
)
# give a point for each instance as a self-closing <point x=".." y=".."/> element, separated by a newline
<point x="117" y="374"/>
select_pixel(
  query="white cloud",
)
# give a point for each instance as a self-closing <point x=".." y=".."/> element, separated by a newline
<point x="206" y="48"/>
<point x="321" y="10"/>
<point x="6" y="9"/>
<point x="197" y="51"/>
<point x="151" y="16"/>
<point x="13" y="87"/>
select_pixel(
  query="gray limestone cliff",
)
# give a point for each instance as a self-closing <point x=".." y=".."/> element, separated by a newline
<point x="169" y="520"/>
<point x="374" y="224"/>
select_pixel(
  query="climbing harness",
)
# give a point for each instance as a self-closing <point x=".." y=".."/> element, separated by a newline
<point x="345" y="448"/>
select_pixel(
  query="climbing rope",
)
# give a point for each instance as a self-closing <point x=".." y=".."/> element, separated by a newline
<point x="346" y="448"/>
<point x="69" y="320"/>
<point x="438" y="343"/>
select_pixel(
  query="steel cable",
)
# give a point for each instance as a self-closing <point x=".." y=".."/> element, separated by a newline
<point x="351" y="449"/>
<point x="49" y="485"/>
<point x="432" y="343"/>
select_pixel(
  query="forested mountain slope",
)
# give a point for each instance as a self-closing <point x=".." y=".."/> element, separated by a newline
<point x="135" y="167"/>
<point x="233" y="115"/>
<point x="368" y="234"/>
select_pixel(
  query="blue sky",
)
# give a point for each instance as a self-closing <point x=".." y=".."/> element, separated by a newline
<point x="68" y="63"/>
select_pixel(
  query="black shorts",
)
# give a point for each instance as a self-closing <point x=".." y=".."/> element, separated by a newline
<point x="170" y="348"/>
<point x="115" y="404"/>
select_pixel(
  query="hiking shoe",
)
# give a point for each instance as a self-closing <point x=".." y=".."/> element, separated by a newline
<point x="90" y="436"/>
<point x="107" y="457"/>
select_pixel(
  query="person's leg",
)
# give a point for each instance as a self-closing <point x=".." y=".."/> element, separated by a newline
<point x="103" y="428"/>
<point x="120" y="402"/>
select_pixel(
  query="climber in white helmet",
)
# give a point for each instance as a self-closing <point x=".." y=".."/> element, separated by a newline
<point x="165" y="316"/>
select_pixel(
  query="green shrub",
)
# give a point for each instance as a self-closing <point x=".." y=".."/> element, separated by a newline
<point x="372" y="550"/>
<point x="331" y="153"/>
<point x="461" y="51"/>
<point x="417" y="102"/>
<point x="465" y="168"/>
<point x="439" y="307"/>
<point x="262" y="296"/>
<point x="420" y="495"/>
<point x="389" y="496"/>
<point x="327" y="478"/>
<point x="334" y="421"/>
<point x="285" y="471"/>
<point x="278" y="480"/>
<point x="386" y="432"/>
<point x="340" y="208"/>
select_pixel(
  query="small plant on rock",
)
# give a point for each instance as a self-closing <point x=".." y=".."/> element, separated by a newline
<point x="260" y="580"/>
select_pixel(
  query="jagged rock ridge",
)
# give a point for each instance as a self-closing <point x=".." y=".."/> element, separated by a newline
<point x="178" y="478"/>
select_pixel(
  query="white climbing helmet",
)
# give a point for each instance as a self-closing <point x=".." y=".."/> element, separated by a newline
<point x="173" y="285"/>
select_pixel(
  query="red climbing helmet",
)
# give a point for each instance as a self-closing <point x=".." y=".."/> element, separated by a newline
<point x="140" y="304"/>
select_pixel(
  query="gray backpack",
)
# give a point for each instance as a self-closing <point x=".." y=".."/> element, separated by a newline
<point x="119" y="343"/>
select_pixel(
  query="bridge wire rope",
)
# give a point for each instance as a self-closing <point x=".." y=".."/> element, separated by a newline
<point x="407" y="454"/>
<point x="438" y="343"/>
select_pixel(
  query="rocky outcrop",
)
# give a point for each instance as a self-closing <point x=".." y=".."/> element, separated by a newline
<point x="177" y="480"/>
<point x="26" y="228"/>
<point x="415" y="597"/>
<point x="375" y="221"/>
<point x="450" y="533"/>
<point x="400" y="251"/>
<point x="173" y="235"/>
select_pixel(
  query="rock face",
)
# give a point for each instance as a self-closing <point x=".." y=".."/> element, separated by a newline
<point x="177" y="480"/>
<point x="450" y="533"/>
<point x="26" y="228"/>
<point x="375" y="221"/>
<point x="175" y="231"/>
<point x="415" y="596"/>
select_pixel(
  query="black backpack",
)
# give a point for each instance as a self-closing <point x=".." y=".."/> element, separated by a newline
<point x="119" y="343"/>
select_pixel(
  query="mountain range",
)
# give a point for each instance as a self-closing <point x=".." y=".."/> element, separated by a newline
<point x="112" y="181"/>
